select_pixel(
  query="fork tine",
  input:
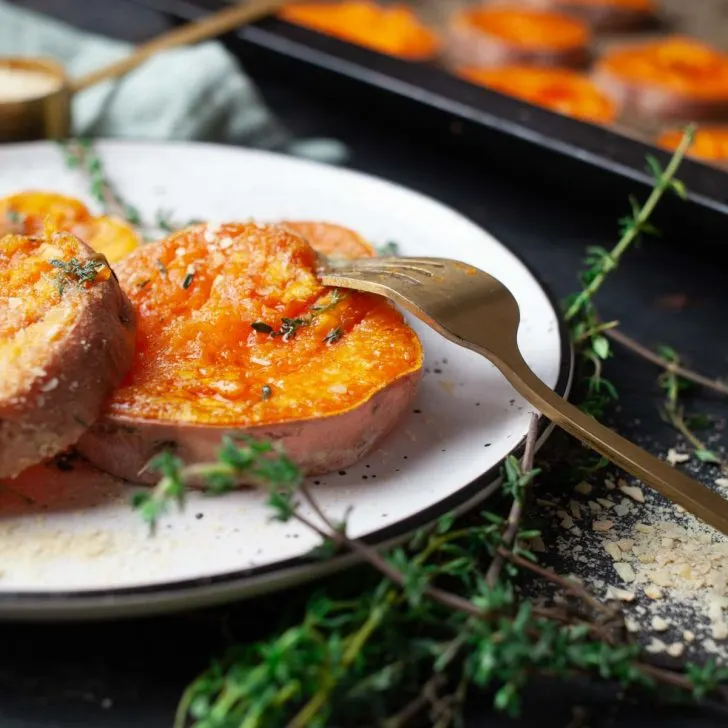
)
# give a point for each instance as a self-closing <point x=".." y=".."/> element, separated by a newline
<point x="378" y="271"/>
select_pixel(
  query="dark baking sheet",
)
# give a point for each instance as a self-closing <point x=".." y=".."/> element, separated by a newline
<point x="499" y="128"/>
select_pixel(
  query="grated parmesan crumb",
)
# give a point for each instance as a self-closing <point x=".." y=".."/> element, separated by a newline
<point x="602" y="526"/>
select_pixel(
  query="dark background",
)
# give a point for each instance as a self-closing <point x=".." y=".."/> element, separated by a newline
<point x="132" y="673"/>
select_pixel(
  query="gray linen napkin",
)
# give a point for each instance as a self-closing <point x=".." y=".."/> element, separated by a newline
<point x="197" y="93"/>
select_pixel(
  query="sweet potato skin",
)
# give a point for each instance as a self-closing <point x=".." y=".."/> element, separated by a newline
<point x="604" y="15"/>
<point x="489" y="37"/>
<point x="28" y="212"/>
<point x="123" y="446"/>
<point x="325" y="408"/>
<point x="56" y="387"/>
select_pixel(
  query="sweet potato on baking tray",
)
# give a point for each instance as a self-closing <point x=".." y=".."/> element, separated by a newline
<point x="394" y="30"/>
<point x="236" y="335"/>
<point x="676" y="78"/>
<point x="710" y="142"/>
<point x="486" y="36"/>
<point x="66" y="339"/>
<point x="27" y="212"/>
<point x="558" y="89"/>
<point x="604" y="14"/>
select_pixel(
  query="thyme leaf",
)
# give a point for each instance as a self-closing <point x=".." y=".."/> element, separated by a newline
<point x="333" y="336"/>
<point x="76" y="271"/>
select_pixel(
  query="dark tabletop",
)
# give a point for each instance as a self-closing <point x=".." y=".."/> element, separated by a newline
<point x="132" y="673"/>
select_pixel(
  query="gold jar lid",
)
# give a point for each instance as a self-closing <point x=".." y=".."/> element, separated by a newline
<point x="34" y="99"/>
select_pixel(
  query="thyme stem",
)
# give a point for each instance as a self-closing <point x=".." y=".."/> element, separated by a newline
<point x="662" y="185"/>
<point x="516" y="512"/>
<point x="714" y="385"/>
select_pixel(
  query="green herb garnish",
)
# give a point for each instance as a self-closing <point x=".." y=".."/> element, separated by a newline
<point x="187" y="282"/>
<point x="335" y="298"/>
<point x="333" y="336"/>
<point x="289" y="327"/>
<point x="266" y="391"/>
<point x="262" y="328"/>
<point x="15" y="218"/>
<point x="389" y="249"/>
<point x="76" y="271"/>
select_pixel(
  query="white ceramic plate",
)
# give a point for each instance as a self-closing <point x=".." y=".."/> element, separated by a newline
<point x="77" y="549"/>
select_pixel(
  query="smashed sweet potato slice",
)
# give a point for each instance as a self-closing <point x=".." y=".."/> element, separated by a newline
<point x="671" y="78"/>
<point x="27" y="213"/>
<point x="226" y="312"/>
<point x="333" y="241"/>
<point x="710" y="142"/>
<point x="526" y="27"/>
<point x="237" y="335"/>
<point x="492" y="36"/>
<point x="561" y="90"/>
<point x="66" y="338"/>
<point x="394" y="30"/>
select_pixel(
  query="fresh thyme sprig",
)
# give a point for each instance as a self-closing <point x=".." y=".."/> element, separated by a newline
<point x="591" y="335"/>
<point x="673" y="411"/>
<point x="255" y="462"/>
<point x="164" y="220"/>
<point x="632" y="226"/>
<point x="668" y="363"/>
<point x="81" y="154"/>
<point x="482" y="635"/>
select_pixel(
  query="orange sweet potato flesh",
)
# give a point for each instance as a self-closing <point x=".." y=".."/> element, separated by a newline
<point x="28" y="212"/>
<point x="675" y="78"/>
<point x="394" y="30"/>
<point x="710" y="142"/>
<point x="331" y="240"/>
<point x="236" y="335"/>
<point x="488" y="36"/>
<point x="66" y="340"/>
<point x="558" y="89"/>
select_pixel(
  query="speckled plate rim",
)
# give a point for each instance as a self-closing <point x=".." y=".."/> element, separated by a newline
<point x="194" y="593"/>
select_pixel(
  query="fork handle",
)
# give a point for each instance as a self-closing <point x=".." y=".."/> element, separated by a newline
<point x="694" y="497"/>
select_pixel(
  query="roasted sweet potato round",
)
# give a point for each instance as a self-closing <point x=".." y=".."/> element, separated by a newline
<point x="236" y="335"/>
<point x="604" y="14"/>
<point x="486" y="36"/>
<point x="394" y="30"/>
<point x="66" y="339"/>
<point x="333" y="241"/>
<point x="672" y="79"/>
<point x="558" y="89"/>
<point x="710" y="142"/>
<point x="28" y="212"/>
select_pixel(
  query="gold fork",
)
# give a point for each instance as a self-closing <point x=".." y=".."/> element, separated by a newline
<point x="477" y="311"/>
